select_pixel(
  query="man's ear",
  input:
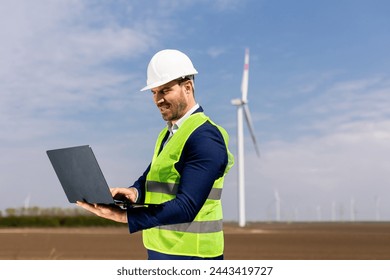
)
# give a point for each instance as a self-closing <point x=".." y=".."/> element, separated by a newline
<point x="190" y="86"/>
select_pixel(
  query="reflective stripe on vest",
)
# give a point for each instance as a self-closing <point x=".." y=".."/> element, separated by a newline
<point x="196" y="227"/>
<point x="171" y="188"/>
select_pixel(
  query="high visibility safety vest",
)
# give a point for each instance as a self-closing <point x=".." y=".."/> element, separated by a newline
<point x="203" y="237"/>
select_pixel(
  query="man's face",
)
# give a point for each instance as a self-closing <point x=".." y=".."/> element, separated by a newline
<point x="173" y="100"/>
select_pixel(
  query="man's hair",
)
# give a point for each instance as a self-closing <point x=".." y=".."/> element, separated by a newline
<point x="188" y="78"/>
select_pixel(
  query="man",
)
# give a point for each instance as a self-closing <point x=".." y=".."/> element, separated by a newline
<point x="181" y="188"/>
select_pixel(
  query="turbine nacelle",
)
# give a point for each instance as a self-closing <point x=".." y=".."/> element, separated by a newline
<point x="238" y="102"/>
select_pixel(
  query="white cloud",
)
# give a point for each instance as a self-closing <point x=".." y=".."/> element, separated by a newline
<point x="215" y="51"/>
<point x="228" y="5"/>
<point x="58" y="66"/>
<point x="340" y="155"/>
<point x="345" y="103"/>
<point x="53" y="61"/>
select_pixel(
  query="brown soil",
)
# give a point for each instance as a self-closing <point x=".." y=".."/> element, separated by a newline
<point x="257" y="241"/>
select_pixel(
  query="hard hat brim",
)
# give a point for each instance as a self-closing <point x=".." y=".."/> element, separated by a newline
<point x="160" y="83"/>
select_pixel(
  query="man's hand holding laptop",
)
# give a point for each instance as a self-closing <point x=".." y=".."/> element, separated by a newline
<point x="116" y="214"/>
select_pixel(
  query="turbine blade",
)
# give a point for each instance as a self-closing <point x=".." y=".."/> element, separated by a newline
<point x="245" y="77"/>
<point x="250" y="126"/>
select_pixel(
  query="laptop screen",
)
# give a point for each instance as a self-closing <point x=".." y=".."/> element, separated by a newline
<point x="80" y="175"/>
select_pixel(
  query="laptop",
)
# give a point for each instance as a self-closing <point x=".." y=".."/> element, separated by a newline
<point x="80" y="175"/>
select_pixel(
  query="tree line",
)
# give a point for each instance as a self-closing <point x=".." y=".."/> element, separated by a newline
<point x="52" y="217"/>
<point x="38" y="211"/>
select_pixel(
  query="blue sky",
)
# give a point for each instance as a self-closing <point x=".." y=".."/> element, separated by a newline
<point x="319" y="94"/>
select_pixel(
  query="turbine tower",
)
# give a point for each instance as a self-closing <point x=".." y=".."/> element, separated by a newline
<point x="277" y="205"/>
<point x="243" y="110"/>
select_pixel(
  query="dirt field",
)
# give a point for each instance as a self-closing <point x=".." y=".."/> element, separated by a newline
<point x="258" y="241"/>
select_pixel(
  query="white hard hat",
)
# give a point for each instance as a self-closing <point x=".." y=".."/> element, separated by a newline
<point x="166" y="66"/>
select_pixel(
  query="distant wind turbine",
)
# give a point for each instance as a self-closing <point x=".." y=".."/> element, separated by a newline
<point x="27" y="201"/>
<point x="377" y="211"/>
<point x="333" y="211"/>
<point x="242" y="109"/>
<point x="277" y="205"/>
<point x="352" y="209"/>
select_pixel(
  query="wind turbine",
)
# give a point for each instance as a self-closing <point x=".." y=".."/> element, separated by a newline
<point x="243" y="110"/>
<point x="277" y="205"/>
